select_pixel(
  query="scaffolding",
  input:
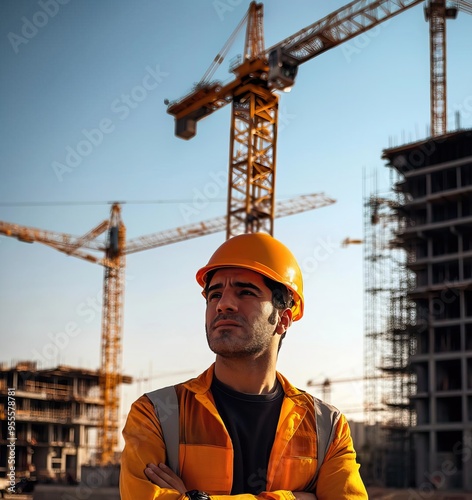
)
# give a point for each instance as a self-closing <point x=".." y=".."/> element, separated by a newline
<point x="434" y="216"/>
<point x="389" y="317"/>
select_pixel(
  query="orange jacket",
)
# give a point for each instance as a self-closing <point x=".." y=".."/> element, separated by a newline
<point x="206" y="453"/>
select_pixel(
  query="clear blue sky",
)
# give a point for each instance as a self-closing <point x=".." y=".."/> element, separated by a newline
<point x="67" y="68"/>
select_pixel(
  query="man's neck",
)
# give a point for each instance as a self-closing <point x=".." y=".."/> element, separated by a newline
<point x="250" y="377"/>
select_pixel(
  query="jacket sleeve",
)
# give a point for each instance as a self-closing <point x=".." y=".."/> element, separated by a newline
<point x="143" y="444"/>
<point x="339" y="476"/>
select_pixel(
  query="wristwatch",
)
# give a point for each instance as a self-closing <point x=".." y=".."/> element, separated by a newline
<point x="197" y="495"/>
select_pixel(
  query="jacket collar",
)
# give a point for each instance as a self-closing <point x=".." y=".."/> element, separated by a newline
<point x="202" y="384"/>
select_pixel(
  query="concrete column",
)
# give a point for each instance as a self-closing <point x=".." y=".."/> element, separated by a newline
<point x="467" y="459"/>
<point x="433" y="452"/>
<point x="421" y="448"/>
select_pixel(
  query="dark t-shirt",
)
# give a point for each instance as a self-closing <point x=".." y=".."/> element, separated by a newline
<point x="251" y="421"/>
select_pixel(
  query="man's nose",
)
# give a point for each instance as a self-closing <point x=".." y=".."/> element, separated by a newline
<point x="227" y="301"/>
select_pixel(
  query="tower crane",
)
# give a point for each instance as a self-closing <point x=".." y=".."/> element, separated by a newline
<point x="114" y="250"/>
<point x="262" y="72"/>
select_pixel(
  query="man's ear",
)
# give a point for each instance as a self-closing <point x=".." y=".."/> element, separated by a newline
<point x="285" y="321"/>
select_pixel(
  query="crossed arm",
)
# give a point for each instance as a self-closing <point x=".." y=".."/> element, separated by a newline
<point x="165" y="477"/>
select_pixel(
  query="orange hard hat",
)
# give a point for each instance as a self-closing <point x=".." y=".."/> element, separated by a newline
<point x="263" y="254"/>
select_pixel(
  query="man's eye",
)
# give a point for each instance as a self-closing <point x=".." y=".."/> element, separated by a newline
<point x="214" y="295"/>
<point x="247" y="292"/>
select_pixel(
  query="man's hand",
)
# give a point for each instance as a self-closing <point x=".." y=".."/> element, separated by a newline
<point x="165" y="477"/>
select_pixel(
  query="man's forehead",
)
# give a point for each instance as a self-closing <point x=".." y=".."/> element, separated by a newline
<point x="239" y="274"/>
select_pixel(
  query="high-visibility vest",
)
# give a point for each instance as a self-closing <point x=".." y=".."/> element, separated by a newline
<point x="327" y="417"/>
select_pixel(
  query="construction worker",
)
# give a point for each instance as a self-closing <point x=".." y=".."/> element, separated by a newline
<point x="241" y="427"/>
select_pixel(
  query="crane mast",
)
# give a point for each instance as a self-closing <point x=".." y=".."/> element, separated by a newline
<point x="436" y="13"/>
<point x="254" y="44"/>
<point x="251" y="192"/>
<point x="112" y="327"/>
<point x="251" y="195"/>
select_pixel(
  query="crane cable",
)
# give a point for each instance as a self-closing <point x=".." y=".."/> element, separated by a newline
<point x="219" y="58"/>
<point x="121" y="202"/>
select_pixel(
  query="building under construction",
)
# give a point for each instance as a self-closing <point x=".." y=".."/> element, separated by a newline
<point x="56" y="415"/>
<point x="418" y="316"/>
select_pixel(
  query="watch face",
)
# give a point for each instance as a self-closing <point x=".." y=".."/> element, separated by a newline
<point x="197" y="495"/>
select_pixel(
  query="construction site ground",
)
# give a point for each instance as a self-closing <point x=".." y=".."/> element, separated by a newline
<point x="377" y="493"/>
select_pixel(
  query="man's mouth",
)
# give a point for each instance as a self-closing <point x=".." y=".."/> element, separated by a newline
<point x="225" y="322"/>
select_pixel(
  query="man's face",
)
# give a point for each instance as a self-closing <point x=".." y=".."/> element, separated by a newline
<point x="240" y="318"/>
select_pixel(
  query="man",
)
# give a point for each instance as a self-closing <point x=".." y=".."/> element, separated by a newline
<point x="243" y="428"/>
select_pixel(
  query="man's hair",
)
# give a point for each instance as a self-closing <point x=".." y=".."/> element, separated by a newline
<point x="282" y="297"/>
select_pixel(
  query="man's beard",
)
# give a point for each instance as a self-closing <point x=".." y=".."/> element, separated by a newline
<point x="255" y="344"/>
